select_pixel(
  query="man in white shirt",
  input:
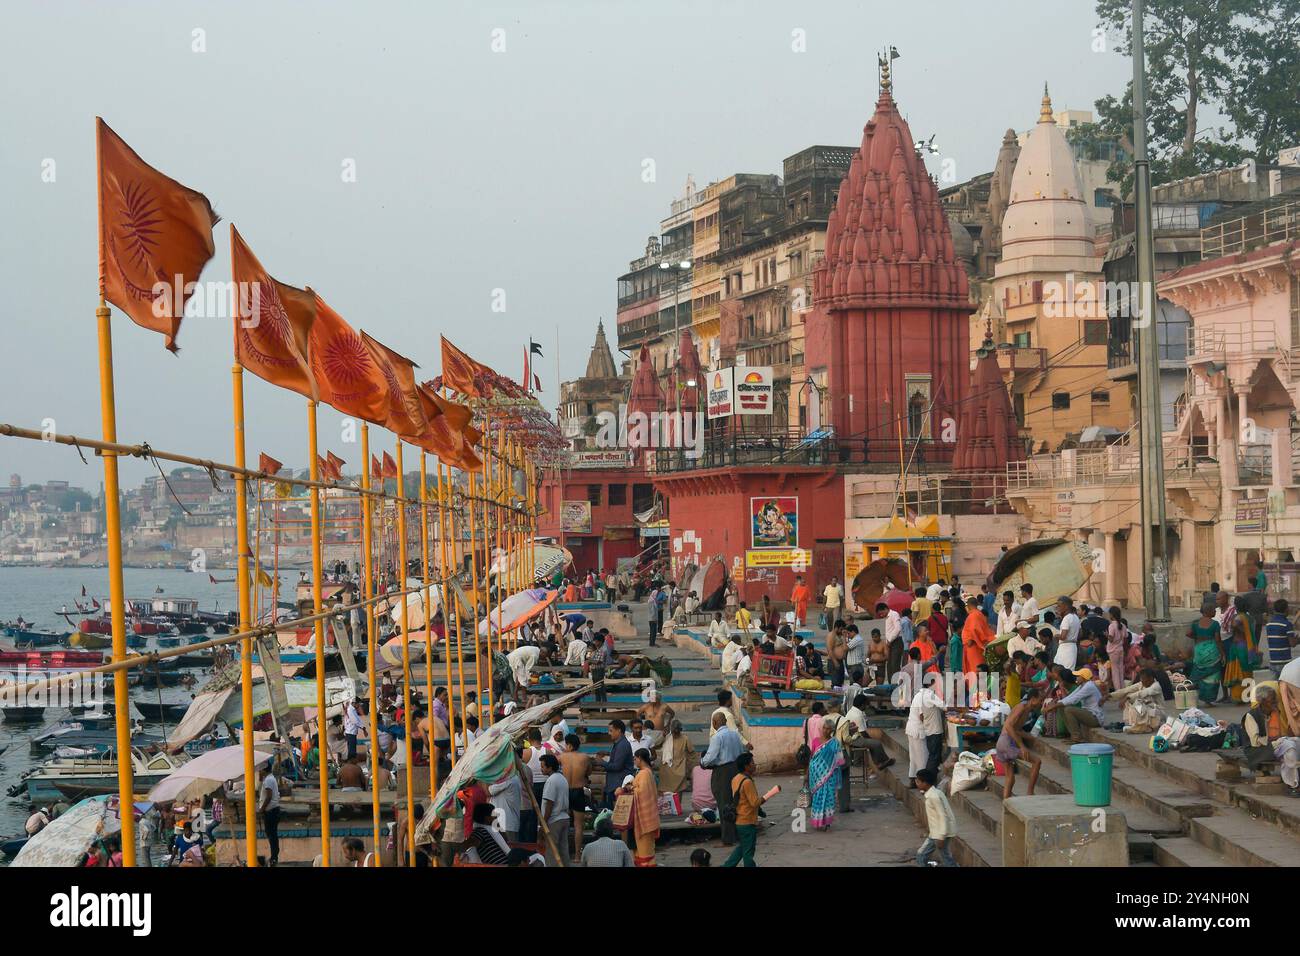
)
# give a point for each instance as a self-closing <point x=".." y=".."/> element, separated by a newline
<point x="1067" y="647"/>
<point x="934" y="590"/>
<point x="1008" y="614"/>
<point x="745" y="664"/>
<point x="1028" y="603"/>
<point x="719" y="632"/>
<point x="939" y="817"/>
<point x="522" y="661"/>
<point x="351" y="726"/>
<point x="732" y="654"/>
<point x="924" y="731"/>
<point x="728" y="715"/>
<point x="854" y="738"/>
<point x="893" y="631"/>
<point x="576" y="652"/>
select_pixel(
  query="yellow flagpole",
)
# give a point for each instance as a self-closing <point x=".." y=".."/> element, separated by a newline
<point x="371" y="648"/>
<point x="317" y="605"/>
<point x="478" y="646"/>
<point x="406" y="660"/>
<point x="113" y="541"/>
<point x="448" y="613"/>
<point x="455" y="533"/>
<point x="116" y="589"/>
<point x="498" y="516"/>
<point x="245" y="619"/>
<point x="256" y="583"/>
<point x="428" y="625"/>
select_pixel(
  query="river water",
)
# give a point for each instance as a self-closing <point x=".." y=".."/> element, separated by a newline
<point x="38" y="594"/>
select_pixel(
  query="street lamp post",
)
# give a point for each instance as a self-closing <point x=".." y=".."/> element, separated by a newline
<point x="678" y="271"/>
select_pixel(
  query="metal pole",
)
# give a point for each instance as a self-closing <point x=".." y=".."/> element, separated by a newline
<point x="406" y="663"/>
<point x="1155" y="580"/>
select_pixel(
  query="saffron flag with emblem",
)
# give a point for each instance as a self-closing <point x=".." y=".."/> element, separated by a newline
<point x="460" y="373"/>
<point x="155" y="237"/>
<point x="390" y="466"/>
<point x="336" y="465"/>
<point x="405" y="416"/>
<point x="268" y="465"/>
<point x="347" y="375"/>
<point x="273" y="323"/>
<point x="448" y="424"/>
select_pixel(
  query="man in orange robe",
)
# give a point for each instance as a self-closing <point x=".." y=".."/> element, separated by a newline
<point x="800" y="597"/>
<point x="975" y="636"/>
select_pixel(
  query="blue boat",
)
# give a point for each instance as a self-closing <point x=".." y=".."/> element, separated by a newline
<point x="9" y="848"/>
<point x="34" y="638"/>
<point x="136" y="641"/>
<point x="169" y="641"/>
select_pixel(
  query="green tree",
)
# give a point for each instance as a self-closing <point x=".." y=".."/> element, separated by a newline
<point x="1190" y="70"/>
<point x="1264" y="97"/>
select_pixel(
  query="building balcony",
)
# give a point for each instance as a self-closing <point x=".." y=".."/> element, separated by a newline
<point x="1254" y="231"/>
<point x="1014" y="359"/>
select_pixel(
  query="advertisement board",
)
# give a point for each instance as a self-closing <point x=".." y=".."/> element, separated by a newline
<point x="720" y="398"/>
<point x="753" y="390"/>
<point x="575" y="517"/>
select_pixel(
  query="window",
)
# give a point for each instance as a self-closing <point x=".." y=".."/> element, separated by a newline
<point x="618" y="494"/>
<point x="1100" y="396"/>
<point x="1022" y="340"/>
<point x="1094" y="332"/>
<point x="593" y="494"/>
<point x="1061" y="401"/>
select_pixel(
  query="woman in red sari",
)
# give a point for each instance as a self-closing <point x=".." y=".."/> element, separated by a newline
<point x="975" y="636"/>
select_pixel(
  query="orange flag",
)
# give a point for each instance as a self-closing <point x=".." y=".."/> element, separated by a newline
<point x="390" y="466"/>
<point x="460" y="373"/>
<point x="155" y="236"/>
<point x="375" y="470"/>
<point x="346" y="373"/>
<point x="450" y="433"/>
<point x="336" y="465"/>
<point x="268" y="465"/>
<point x="405" y="410"/>
<point x="323" y="469"/>
<point x="273" y="324"/>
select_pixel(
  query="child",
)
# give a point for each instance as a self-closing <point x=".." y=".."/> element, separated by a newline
<point x="938" y="813"/>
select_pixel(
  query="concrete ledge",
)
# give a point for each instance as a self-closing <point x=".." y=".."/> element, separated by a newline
<point x="1055" y="831"/>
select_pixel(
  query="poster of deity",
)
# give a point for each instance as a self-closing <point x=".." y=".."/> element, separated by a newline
<point x="774" y="522"/>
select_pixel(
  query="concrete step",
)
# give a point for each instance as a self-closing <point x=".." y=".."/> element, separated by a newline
<point x="1184" y="851"/>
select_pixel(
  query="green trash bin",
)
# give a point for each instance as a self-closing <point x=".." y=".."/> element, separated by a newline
<point x="1090" y="769"/>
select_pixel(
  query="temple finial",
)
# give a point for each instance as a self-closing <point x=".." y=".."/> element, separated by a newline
<point x="1045" y="111"/>
<point x="886" y="84"/>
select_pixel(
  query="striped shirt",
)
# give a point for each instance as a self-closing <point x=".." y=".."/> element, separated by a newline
<point x="1278" y="634"/>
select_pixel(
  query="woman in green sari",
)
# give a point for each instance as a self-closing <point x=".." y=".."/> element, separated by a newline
<point x="1206" y="670"/>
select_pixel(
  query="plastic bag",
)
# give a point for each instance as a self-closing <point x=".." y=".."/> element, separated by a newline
<point x="968" y="772"/>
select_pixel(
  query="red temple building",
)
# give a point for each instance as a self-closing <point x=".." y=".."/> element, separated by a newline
<point x="890" y="323"/>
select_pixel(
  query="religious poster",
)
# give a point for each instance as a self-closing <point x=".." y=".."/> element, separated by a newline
<point x="774" y="522"/>
<point x="753" y="391"/>
<point x="575" y="517"/>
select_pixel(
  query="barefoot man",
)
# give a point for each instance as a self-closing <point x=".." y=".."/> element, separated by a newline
<point x="1011" y="742"/>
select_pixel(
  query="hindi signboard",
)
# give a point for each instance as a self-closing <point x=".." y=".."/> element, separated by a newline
<point x="721" y="398"/>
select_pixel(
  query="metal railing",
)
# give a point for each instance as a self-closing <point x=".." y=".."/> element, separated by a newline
<point x="1253" y="231"/>
<point x="777" y="446"/>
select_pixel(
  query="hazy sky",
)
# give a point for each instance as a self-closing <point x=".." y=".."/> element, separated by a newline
<point x="476" y="170"/>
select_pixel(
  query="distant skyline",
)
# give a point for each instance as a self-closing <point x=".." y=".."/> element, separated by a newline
<point x="477" y="170"/>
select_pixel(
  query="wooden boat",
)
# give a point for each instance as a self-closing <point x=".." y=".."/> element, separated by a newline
<point x="49" y="659"/>
<point x="22" y="715"/>
<point x="95" y="625"/>
<point x="148" y="626"/>
<point x="169" y="641"/>
<point x="152" y="710"/>
<point x="77" y="777"/>
<point x="34" y="638"/>
<point x="90" y="641"/>
<point x="9" y="848"/>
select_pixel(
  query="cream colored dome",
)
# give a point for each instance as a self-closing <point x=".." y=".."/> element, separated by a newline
<point x="1046" y="214"/>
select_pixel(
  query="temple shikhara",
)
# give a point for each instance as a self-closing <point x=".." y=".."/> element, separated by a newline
<point x="890" y="321"/>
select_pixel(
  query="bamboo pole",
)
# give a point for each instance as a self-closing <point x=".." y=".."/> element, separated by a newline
<point x="372" y="648"/>
<point x="245" y="621"/>
<point x="116" y="589"/>
<point x="317" y="570"/>
<point x="406" y="664"/>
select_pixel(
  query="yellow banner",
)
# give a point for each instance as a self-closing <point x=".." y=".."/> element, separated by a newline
<point x="778" y="558"/>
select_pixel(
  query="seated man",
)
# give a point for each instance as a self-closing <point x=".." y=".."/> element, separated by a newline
<point x="1142" y="704"/>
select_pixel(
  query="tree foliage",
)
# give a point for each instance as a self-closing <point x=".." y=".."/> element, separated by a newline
<point x="1222" y="80"/>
